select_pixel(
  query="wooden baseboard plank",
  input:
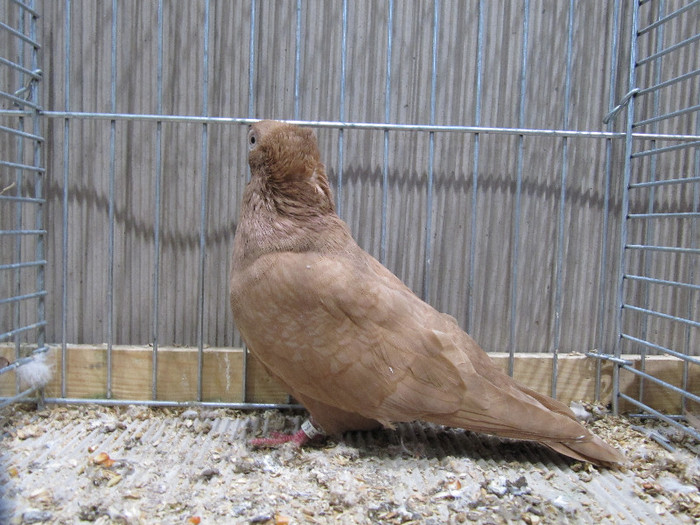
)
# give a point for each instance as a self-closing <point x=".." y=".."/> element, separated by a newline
<point x="132" y="372"/>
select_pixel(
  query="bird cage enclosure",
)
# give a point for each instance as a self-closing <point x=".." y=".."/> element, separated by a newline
<point x="22" y="233"/>
<point x="660" y="205"/>
<point x="530" y="168"/>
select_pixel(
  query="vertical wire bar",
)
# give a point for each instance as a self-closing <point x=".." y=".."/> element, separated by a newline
<point x="518" y="188"/>
<point x="427" y="261"/>
<point x="251" y="113"/>
<point x="343" y="58"/>
<point x="387" y="116"/>
<point x="251" y="65"/>
<point x="38" y="190"/>
<point x="603" y="276"/>
<point x="562" y="203"/>
<point x="19" y="177"/>
<point x="475" y="168"/>
<point x="203" y="202"/>
<point x="158" y="184"/>
<point x="650" y="224"/>
<point x="64" y="218"/>
<point x="632" y="81"/>
<point x="112" y="168"/>
<point x="297" y="60"/>
<point x="693" y="265"/>
<point x="297" y="73"/>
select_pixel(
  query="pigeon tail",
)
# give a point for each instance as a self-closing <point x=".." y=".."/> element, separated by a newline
<point x="592" y="449"/>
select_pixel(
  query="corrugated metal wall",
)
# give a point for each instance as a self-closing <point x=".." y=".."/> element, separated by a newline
<point x="507" y="71"/>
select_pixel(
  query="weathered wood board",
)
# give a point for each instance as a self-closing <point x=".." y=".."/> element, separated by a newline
<point x="222" y="376"/>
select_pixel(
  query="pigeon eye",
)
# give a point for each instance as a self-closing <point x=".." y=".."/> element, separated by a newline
<point x="252" y="140"/>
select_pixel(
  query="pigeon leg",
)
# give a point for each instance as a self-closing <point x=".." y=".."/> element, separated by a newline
<point x="308" y="432"/>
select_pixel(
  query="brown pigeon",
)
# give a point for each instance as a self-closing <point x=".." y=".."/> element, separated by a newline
<point x="346" y="337"/>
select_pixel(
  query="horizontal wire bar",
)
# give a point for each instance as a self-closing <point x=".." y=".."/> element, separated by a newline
<point x="20" y="133"/>
<point x="23" y="297"/>
<point x="19" y="35"/>
<point x="674" y="353"/>
<point x="663" y="282"/>
<point x="13" y="198"/>
<point x="156" y="403"/>
<point x="336" y="124"/>
<point x="21" y="166"/>
<point x="662" y="383"/>
<point x="668" y="17"/>
<point x="670" y="249"/>
<point x="669" y="82"/>
<point x="653" y="434"/>
<point x="654" y="313"/>
<point x="677" y="417"/>
<point x="670" y="49"/>
<point x="22" y="232"/>
<point x="669" y="215"/>
<point x="18" y="100"/>
<point x="661" y="416"/>
<point x="664" y="182"/>
<point x="21" y="329"/>
<point x="608" y="357"/>
<point x="666" y="149"/>
<point x="17" y="266"/>
<point x="18" y="67"/>
<point x="24" y="360"/>
<point x="16" y="113"/>
<point x="667" y="116"/>
<point x="5" y="401"/>
<point x="377" y="126"/>
<point x="28" y="9"/>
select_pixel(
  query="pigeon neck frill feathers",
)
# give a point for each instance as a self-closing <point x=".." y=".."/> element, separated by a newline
<point x="288" y="176"/>
<point x="288" y="214"/>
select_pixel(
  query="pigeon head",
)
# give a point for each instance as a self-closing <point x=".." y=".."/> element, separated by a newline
<point x="286" y="159"/>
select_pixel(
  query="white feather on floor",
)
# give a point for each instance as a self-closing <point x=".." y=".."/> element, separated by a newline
<point x="35" y="374"/>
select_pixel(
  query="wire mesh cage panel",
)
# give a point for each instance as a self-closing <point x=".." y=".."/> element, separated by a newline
<point x="467" y="150"/>
<point x="22" y="233"/>
<point x="659" y="287"/>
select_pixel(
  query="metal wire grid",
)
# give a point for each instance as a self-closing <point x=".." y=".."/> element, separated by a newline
<point x="205" y="121"/>
<point x="22" y="189"/>
<point x="643" y="242"/>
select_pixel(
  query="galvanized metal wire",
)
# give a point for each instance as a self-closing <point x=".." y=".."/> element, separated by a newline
<point x="644" y="163"/>
<point x="645" y="138"/>
<point x="23" y="192"/>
